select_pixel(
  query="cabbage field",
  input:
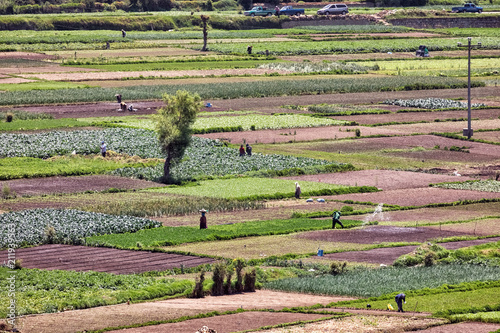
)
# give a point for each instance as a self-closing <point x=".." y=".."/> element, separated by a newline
<point x="69" y="226"/>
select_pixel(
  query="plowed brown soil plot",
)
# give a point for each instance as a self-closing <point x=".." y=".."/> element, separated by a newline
<point x="386" y="256"/>
<point x="228" y="323"/>
<point x="50" y="185"/>
<point x="377" y="234"/>
<point x="82" y="258"/>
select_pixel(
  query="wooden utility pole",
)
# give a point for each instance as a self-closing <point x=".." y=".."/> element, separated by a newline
<point x="204" y="19"/>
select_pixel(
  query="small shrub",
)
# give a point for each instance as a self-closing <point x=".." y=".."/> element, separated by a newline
<point x="227" y="286"/>
<point x="250" y="278"/>
<point x="7" y="193"/>
<point x="337" y="267"/>
<point x="239" y="264"/>
<point x="358" y="132"/>
<point x="346" y="209"/>
<point x="218" y="279"/>
<point x="430" y="259"/>
<point x="49" y="235"/>
<point x="9" y="117"/>
<point x="198" y="288"/>
<point x="18" y="264"/>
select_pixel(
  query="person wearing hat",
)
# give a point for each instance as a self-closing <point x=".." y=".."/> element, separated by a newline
<point x="203" y="219"/>
<point x="103" y="149"/>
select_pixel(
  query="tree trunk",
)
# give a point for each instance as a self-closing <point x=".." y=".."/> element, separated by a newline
<point x="166" y="167"/>
<point x="205" y="32"/>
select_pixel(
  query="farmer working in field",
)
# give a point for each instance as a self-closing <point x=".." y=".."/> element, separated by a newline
<point x="400" y="298"/>
<point x="336" y="219"/>
<point x="103" y="149"/>
<point x="203" y="219"/>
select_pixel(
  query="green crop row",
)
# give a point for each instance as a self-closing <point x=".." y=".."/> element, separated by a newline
<point x="350" y="46"/>
<point x="431" y="103"/>
<point x="374" y="283"/>
<point x="473" y="185"/>
<point x="136" y="204"/>
<point x="168" y="236"/>
<point x="259" y="188"/>
<point x="65" y="166"/>
<point x="225" y="123"/>
<point x="40" y="124"/>
<point x="45" y="291"/>
<point x="236" y="89"/>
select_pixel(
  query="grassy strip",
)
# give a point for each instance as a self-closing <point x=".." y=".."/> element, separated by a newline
<point x="486" y="316"/>
<point x="43" y="85"/>
<point x="259" y="189"/>
<point x="42" y="124"/>
<point x="442" y="302"/>
<point x="169" y="236"/>
<point x="74" y="165"/>
<point x="53" y="291"/>
<point x="237" y="89"/>
<point x="375" y="283"/>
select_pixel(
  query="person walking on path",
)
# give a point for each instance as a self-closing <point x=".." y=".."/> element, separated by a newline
<point x="336" y="219"/>
<point x="249" y="150"/>
<point x="298" y="191"/>
<point x="400" y="298"/>
<point x="103" y="149"/>
<point x="203" y="219"/>
<point x="242" y="151"/>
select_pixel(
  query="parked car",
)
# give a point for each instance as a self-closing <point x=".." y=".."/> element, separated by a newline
<point x="289" y="10"/>
<point x="339" y="8"/>
<point x="467" y="8"/>
<point x="259" y="11"/>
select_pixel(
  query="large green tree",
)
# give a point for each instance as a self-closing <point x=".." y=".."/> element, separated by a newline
<point x="173" y="124"/>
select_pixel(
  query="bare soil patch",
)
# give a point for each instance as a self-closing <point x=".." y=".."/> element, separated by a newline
<point x="123" y="314"/>
<point x="382" y="179"/>
<point x="26" y="55"/>
<point x="386" y="256"/>
<point x="99" y="259"/>
<point x="378" y="234"/>
<point x="229" y="323"/>
<point x="417" y="197"/>
<point x="76" y="184"/>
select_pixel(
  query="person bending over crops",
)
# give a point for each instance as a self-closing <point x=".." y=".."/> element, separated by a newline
<point x="242" y="151"/>
<point x="249" y="150"/>
<point x="400" y="298"/>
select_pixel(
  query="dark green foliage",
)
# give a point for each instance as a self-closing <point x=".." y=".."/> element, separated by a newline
<point x="337" y="267"/>
<point x="227" y="285"/>
<point x="430" y="259"/>
<point x="198" y="288"/>
<point x="357" y="132"/>
<point x="239" y="264"/>
<point x="238" y="128"/>
<point x="250" y="278"/>
<point x="8" y="117"/>
<point x="218" y="274"/>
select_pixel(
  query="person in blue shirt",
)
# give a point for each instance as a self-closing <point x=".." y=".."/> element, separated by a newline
<point x="400" y="298"/>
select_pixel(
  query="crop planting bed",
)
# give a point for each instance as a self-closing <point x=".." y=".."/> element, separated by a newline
<point x="50" y="185"/>
<point x="378" y="234"/>
<point x="387" y="255"/>
<point x="81" y="258"/>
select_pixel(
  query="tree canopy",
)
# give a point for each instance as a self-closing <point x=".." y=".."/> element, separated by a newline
<point x="173" y="124"/>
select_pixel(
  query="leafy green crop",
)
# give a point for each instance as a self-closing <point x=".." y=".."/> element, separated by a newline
<point x="473" y="185"/>
<point x="431" y="103"/>
<point x="31" y="227"/>
<point x="242" y="188"/>
<point x="42" y="291"/>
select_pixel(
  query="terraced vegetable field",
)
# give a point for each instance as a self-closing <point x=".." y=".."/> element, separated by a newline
<point x="411" y="189"/>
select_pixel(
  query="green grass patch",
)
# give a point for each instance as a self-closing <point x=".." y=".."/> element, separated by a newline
<point x="255" y="188"/>
<point x="169" y="236"/>
<point x="54" y="291"/>
<point x="41" y="85"/>
<point x="64" y="166"/>
<point x="42" y="124"/>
